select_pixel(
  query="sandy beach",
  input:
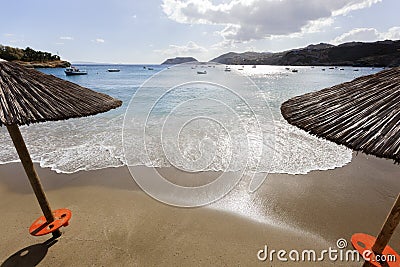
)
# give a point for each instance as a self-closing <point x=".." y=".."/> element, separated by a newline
<point x="114" y="223"/>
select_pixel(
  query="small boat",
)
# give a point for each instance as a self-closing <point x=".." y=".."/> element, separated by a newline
<point x="254" y="66"/>
<point x="150" y="68"/>
<point x="74" y="71"/>
<point x="323" y="69"/>
<point x="240" y="69"/>
<point x="227" y="68"/>
<point x="202" y="72"/>
<point x="287" y="68"/>
<point x="356" y="70"/>
<point x="294" y="70"/>
<point x="331" y="68"/>
<point x="113" y="70"/>
<point x="341" y="69"/>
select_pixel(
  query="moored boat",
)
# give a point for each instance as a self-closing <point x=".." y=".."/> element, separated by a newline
<point x="74" y="71"/>
<point x="113" y="70"/>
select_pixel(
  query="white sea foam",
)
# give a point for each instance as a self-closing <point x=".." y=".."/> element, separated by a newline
<point x="81" y="144"/>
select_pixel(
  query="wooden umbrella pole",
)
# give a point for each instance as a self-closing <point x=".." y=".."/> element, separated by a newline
<point x="392" y="221"/>
<point x="31" y="173"/>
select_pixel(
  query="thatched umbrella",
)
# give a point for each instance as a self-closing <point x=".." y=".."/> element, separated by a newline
<point x="29" y="96"/>
<point x="364" y="115"/>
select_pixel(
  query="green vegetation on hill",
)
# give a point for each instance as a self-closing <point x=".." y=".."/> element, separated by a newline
<point x="30" y="57"/>
<point x="28" y="54"/>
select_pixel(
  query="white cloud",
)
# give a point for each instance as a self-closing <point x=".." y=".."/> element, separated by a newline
<point x="182" y="50"/>
<point x="358" y="34"/>
<point x="354" y="5"/>
<point x="225" y="44"/>
<point x="66" y="38"/>
<point x="367" y="35"/>
<point x="392" y="33"/>
<point x="99" y="40"/>
<point x="245" y="20"/>
<point x="318" y="25"/>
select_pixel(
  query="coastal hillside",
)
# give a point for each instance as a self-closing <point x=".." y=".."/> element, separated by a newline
<point x="179" y="60"/>
<point x="32" y="58"/>
<point x="377" y="54"/>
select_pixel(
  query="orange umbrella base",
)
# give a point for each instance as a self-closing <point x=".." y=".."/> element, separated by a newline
<point x="363" y="243"/>
<point x="42" y="227"/>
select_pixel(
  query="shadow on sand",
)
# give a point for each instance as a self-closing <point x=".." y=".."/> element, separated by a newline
<point x="31" y="255"/>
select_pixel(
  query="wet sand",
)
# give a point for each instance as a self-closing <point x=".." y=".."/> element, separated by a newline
<point x="115" y="224"/>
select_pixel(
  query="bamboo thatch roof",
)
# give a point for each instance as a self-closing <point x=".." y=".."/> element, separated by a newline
<point x="363" y="114"/>
<point x="29" y="96"/>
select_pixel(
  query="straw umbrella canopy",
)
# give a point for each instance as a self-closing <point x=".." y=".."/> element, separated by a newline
<point x="364" y="115"/>
<point x="29" y="96"/>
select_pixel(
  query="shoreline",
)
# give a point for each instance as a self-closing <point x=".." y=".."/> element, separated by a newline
<point x="117" y="224"/>
<point x="47" y="64"/>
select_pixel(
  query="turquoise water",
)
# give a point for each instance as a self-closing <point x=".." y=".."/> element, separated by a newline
<point x="216" y="121"/>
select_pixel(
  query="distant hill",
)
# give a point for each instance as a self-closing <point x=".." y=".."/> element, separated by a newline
<point x="376" y="54"/>
<point x="31" y="58"/>
<point x="245" y="58"/>
<point x="179" y="60"/>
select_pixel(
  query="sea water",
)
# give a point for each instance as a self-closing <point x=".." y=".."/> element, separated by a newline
<point x="97" y="142"/>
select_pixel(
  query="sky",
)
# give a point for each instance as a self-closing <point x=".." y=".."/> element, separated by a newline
<point x="150" y="31"/>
